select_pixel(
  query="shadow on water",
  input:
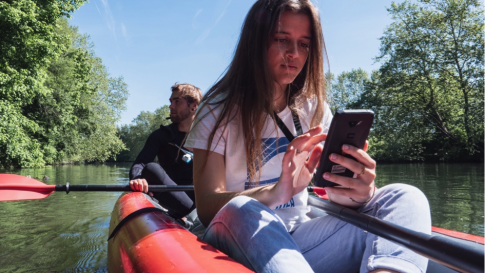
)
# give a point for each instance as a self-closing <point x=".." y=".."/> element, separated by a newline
<point x="68" y="233"/>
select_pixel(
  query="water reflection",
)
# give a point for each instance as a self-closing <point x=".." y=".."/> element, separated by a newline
<point x="455" y="191"/>
<point x="62" y="232"/>
<point x="69" y="232"/>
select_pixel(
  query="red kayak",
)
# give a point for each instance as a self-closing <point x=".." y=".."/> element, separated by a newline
<point x="143" y="238"/>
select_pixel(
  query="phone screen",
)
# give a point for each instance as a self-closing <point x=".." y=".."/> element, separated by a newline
<point x="348" y="127"/>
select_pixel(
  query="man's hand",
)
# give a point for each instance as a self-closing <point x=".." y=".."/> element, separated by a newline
<point x="140" y="185"/>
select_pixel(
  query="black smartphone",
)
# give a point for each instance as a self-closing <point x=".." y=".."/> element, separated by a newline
<point x="348" y="127"/>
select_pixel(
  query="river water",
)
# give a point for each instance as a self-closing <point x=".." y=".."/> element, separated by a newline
<point x="68" y="233"/>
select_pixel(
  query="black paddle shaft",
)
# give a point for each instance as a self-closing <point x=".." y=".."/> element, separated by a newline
<point x="448" y="252"/>
<point x="151" y="188"/>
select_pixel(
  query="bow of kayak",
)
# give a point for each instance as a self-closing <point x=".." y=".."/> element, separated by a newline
<point x="144" y="239"/>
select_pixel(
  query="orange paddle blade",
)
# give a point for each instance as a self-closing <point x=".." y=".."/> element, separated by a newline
<point x="16" y="187"/>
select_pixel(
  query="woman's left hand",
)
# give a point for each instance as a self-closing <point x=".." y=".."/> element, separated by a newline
<point x="353" y="192"/>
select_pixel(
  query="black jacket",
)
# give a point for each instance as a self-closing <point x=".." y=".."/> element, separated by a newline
<point x="160" y="144"/>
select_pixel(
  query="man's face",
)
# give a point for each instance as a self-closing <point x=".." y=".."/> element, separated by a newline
<point x="179" y="108"/>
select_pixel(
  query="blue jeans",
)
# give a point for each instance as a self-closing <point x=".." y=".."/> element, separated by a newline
<point x="252" y="234"/>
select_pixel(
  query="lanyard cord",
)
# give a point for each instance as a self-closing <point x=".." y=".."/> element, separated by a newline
<point x="286" y="131"/>
<point x="182" y="149"/>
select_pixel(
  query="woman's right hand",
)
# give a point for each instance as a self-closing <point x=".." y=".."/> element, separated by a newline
<point x="298" y="164"/>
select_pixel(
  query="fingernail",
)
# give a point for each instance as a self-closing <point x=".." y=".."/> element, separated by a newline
<point x="326" y="175"/>
<point x="346" y="147"/>
<point x="333" y="156"/>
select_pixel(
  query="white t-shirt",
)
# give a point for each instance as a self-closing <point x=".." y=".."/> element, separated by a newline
<point x="229" y="142"/>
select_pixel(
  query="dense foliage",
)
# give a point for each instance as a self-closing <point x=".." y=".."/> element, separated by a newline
<point x="57" y="101"/>
<point x="428" y="95"/>
<point x="346" y="88"/>
<point x="134" y="135"/>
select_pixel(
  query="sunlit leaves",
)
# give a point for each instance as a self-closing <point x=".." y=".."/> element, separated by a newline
<point x="135" y="134"/>
<point x="57" y="101"/>
<point x="428" y="94"/>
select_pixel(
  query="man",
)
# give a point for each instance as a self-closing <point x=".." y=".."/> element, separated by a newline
<point x="175" y="162"/>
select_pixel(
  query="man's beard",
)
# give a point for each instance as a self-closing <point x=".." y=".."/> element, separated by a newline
<point x="177" y="118"/>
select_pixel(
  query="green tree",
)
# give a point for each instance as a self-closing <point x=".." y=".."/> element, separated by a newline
<point x="395" y="135"/>
<point x="428" y="93"/>
<point x="58" y="103"/>
<point x="346" y="89"/>
<point x="135" y="135"/>
<point x="77" y="118"/>
<point x="28" y="34"/>
<point x="104" y="142"/>
<point x="60" y="113"/>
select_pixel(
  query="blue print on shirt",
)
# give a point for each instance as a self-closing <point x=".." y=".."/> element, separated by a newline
<point x="290" y="204"/>
<point x="270" y="150"/>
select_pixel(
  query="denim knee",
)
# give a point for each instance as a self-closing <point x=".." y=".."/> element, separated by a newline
<point x="238" y="202"/>
<point x="238" y="208"/>
<point x="405" y="206"/>
<point x="252" y="234"/>
<point x="403" y="195"/>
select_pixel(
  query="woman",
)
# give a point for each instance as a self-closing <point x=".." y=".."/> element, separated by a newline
<point x="250" y="181"/>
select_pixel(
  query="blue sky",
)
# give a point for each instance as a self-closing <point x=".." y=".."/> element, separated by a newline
<point x="154" y="44"/>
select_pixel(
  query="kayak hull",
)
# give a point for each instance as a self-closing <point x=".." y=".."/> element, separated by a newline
<point x="144" y="239"/>
<point x="151" y="241"/>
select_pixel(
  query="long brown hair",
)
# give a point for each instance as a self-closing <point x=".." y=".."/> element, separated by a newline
<point x="247" y="87"/>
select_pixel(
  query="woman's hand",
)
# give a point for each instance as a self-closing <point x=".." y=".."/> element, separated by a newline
<point x="353" y="192"/>
<point x="298" y="166"/>
<point x="140" y="185"/>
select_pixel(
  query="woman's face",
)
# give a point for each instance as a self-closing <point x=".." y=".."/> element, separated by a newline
<point x="289" y="46"/>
